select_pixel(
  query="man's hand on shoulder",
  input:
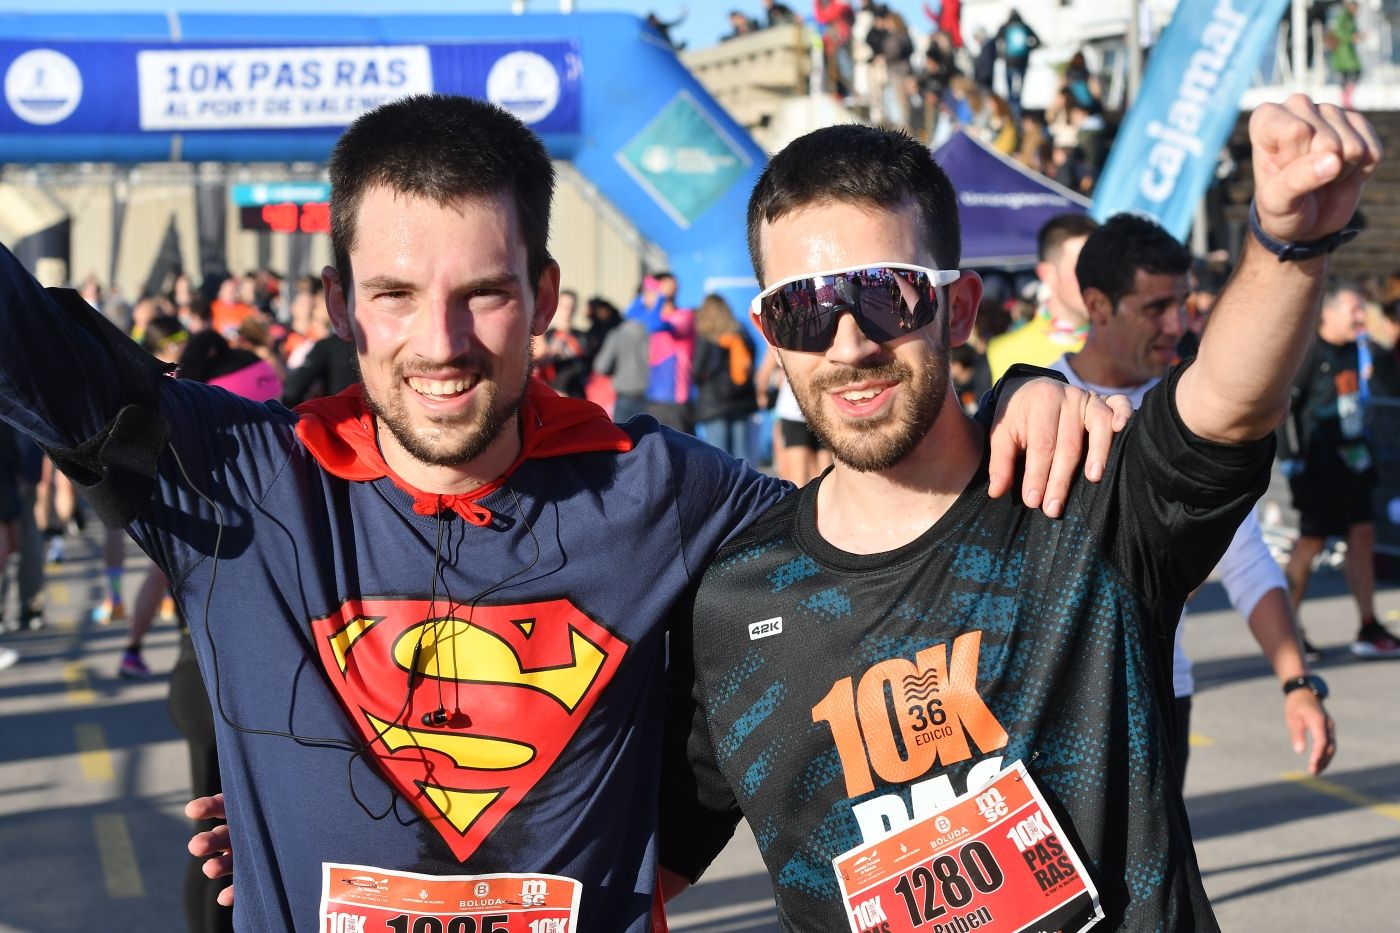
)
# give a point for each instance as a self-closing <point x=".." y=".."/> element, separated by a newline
<point x="1047" y="422"/>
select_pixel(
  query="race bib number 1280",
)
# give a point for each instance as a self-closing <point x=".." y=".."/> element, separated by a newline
<point x="994" y="860"/>
<point x="362" y="899"/>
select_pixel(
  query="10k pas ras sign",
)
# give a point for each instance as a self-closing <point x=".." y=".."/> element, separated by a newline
<point x="268" y="88"/>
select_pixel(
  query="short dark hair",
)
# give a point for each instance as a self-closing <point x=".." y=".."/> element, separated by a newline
<point x="445" y="148"/>
<point x="860" y="164"/>
<point x="1336" y="286"/>
<point x="1126" y="244"/>
<point x="1058" y="229"/>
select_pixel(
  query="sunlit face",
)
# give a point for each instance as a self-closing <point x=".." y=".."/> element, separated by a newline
<point x="1343" y="318"/>
<point x="1142" y="333"/>
<point x="870" y="403"/>
<point x="441" y="310"/>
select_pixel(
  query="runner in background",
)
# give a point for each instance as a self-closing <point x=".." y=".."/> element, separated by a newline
<point x="725" y="398"/>
<point x="1060" y="321"/>
<point x="1328" y="460"/>
<point x="1134" y="276"/>
<point x="799" y="456"/>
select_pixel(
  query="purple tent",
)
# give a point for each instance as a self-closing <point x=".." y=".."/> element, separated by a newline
<point x="1002" y="203"/>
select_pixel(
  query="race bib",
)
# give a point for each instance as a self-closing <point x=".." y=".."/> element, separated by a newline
<point x="361" y="899"/>
<point x="994" y="859"/>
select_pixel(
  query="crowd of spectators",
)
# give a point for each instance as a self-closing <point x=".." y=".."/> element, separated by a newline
<point x="283" y="324"/>
<point x="930" y="80"/>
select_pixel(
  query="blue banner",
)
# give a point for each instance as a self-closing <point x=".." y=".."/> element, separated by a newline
<point x="1165" y="153"/>
<point x="116" y="88"/>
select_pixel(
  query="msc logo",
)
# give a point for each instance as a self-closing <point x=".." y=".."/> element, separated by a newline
<point x="520" y="680"/>
<point x="765" y="628"/>
<point x="533" y="892"/>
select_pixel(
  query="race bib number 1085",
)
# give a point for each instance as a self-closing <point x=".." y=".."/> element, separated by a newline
<point x="362" y="899"/>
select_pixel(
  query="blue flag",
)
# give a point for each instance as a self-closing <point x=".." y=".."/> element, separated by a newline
<point x="1166" y="149"/>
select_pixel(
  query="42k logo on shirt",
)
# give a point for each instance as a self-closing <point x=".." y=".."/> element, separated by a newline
<point x="936" y="708"/>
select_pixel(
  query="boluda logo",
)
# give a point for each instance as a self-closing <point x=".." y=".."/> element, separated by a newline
<point x="932" y="701"/>
<point x="765" y="628"/>
<point x="519" y="680"/>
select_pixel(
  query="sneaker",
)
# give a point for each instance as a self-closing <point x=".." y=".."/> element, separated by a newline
<point x="8" y="657"/>
<point x="1311" y="653"/>
<point x="55" y="553"/>
<point x="109" y="612"/>
<point x="1373" y="641"/>
<point x="132" y="667"/>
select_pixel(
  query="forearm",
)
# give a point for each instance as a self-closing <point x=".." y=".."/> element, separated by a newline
<point x="1274" y="627"/>
<point x="1266" y="316"/>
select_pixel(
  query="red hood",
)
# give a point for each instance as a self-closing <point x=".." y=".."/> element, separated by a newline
<point x="339" y="432"/>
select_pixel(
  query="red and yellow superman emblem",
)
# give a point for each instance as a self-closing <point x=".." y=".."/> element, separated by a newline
<point x="515" y="681"/>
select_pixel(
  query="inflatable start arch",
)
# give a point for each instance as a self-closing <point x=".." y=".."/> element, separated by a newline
<point x="246" y="81"/>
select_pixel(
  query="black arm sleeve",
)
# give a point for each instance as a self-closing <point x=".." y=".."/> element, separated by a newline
<point x="85" y="391"/>
<point x="1168" y="492"/>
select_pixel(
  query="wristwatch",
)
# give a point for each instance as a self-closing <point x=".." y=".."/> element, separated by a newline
<point x="1296" y="252"/>
<point x="1312" y="682"/>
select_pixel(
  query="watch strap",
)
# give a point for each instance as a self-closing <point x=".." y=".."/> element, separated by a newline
<point x="1310" y="682"/>
<point x="1296" y="252"/>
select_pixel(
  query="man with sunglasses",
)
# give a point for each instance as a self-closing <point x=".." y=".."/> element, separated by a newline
<point x="942" y="711"/>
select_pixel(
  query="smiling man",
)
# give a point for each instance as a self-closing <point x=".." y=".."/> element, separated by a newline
<point x="939" y="710"/>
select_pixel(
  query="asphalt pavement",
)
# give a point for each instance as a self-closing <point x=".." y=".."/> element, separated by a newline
<point x="93" y="777"/>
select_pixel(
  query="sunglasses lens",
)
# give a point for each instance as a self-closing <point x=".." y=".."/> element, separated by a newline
<point x="795" y="318"/>
<point x="887" y="304"/>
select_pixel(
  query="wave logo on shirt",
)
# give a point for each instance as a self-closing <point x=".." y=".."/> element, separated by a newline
<point x="906" y="716"/>
<point x="465" y="715"/>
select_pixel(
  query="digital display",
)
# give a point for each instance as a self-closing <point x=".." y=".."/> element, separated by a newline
<point x="287" y="217"/>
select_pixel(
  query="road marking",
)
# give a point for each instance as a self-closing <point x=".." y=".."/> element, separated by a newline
<point x="93" y="755"/>
<point x="1196" y="740"/>
<point x="1355" y="798"/>
<point x="75" y="674"/>
<point x="118" y="856"/>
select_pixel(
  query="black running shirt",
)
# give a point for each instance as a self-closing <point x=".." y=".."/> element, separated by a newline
<point x="829" y="697"/>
